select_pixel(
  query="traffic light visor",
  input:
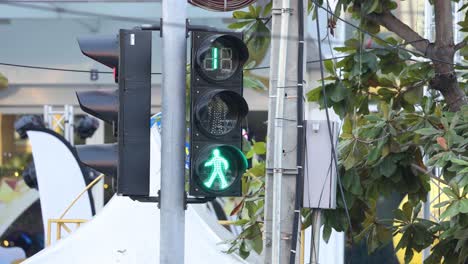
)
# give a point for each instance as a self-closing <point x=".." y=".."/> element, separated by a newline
<point x="219" y="112"/>
<point x="103" y="158"/>
<point x="218" y="167"/>
<point x="101" y="104"/>
<point x="103" y="49"/>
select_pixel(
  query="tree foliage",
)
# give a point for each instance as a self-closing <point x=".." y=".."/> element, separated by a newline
<point x="392" y="149"/>
<point x="3" y="82"/>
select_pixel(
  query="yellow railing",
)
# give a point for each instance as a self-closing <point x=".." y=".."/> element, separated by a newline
<point x="62" y="223"/>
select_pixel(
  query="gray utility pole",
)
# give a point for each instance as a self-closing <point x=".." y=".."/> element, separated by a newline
<point x="173" y="132"/>
<point x="282" y="132"/>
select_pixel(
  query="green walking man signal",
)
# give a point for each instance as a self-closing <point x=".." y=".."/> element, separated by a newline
<point x="220" y="166"/>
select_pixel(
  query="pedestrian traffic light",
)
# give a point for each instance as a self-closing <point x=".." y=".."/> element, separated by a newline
<point x="216" y="113"/>
<point x="127" y="109"/>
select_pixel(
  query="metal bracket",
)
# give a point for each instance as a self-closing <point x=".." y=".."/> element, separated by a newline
<point x="153" y="27"/>
<point x="284" y="171"/>
<point x="280" y="11"/>
<point x="202" y="28"/>
<point x="157" y="199"/>
<point x="197" y="200"/>
<point x="148" y="199"/>
<point x="145" y="199"/>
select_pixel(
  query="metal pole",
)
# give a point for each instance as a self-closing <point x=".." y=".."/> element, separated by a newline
<point x="428" y="34"/>
<point x="315" y="241"/>
<point x="172" y="226"/>
<point x="282" y="127"/>
<point x="278" y="139"/>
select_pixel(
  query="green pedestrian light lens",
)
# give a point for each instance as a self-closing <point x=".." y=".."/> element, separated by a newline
<point x="219" y="167"/>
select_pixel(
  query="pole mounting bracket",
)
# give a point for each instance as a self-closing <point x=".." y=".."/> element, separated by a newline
<point x="281" y="10"/>
<point x="197" y="200"/>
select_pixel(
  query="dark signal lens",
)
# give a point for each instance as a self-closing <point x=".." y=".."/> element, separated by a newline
<point x="218" y="113"/>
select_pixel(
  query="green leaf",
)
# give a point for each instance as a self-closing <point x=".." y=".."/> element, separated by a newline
<point x="3" y="82"/>
<point x="366" y="58"/>
<point x="253" y="83"/>
<point x="390" y="5"/>
<point x="463" y="206"/>
<point x="387" y="92"/>
<point x="451" y="210"/>
<point x="242" y="15"/>
<point x="244" y="251"/>
<point x="338" y="92"/>
<point x="416" y="210"/>
<point x="253" y="10"/>
<point x="387" y="167"/>
<point x="258" y="244"/>
<point x="384" y="234"/>
<point x="259" y="148"/>
<point x="374" y="154"/>
<point x="350" y="161"/>
<point x="328" y="64"/>
<point x="450" y="193"/>
<point x="240" y="222"/>
<point x="267" y="10"/>
<point x="459" y="161"/>
<point x="407" y="210"/>
<point x="441" y="204"/>
<point x="258" y="39"/>
<point x="239" y="25"/>
<point x="462" y="7"/>
<point x="326" y="233"/>
<point x="429" y="131"/>
<point x="414" y="95"/>
<point x="258" y="10"/>
<point x="400" y="215"/>
<point x="314" y="94"/>
<point x="409" y="255"/>
<point x="356" y="187"/>
<point x="370" y="6"/>
<point x="250" y="154"/>
<point x="372" y="240"/>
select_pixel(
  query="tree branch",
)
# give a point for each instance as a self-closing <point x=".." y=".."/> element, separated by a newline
<point x="443" y="23"/>
<point x="461" y="45"/>
<point x="422" y="170"/>
<point x="392" y="23"/>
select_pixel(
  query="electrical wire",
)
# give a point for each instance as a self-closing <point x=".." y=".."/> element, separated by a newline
<point x="335" y="159"/>
<point x="222" y="5"/>
<point x="51" y="68"/>
<point x="390" y="45"/>
<point x="60" y="10"/>
<point x="110" y="72"/>
<point x="300" y="133"/>
<point x="154" y="73"/>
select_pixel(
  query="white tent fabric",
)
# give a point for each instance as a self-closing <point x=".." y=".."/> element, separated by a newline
<point x="9" y="212"/>
<point x="10" y="254"/>
<point x="127" y="231"/>
<point x="59" y="179"/>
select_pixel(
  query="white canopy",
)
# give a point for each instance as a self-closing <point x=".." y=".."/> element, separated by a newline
<point x="127" y="231"/>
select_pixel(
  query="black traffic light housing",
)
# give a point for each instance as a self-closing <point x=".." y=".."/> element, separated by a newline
<point x="216" y="113"/>
<point x="127" y="109"/>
